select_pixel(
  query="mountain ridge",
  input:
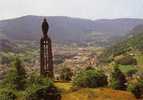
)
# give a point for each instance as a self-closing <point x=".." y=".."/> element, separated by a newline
<point x="68" y="29"/>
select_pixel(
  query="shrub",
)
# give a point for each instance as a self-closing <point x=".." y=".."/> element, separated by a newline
<point x="35" y="79"/>
<point x="126" y="60"/>
<point x="41" y="88"/>
<point x="44" y="93"/>
<point x="136" y="89"/>
<point x="118" y="79"/>
<point x="66" y="74"/>
<point x="131" y="72"/>
<point x="6" y="94"/>
<point x="90" y="78"/>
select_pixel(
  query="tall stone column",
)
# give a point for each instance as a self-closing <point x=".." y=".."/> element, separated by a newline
<point x="46" y="56"/>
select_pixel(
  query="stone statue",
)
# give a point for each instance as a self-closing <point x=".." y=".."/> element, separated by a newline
<point x="45" y="27"/>
<point x="46" y="55"/>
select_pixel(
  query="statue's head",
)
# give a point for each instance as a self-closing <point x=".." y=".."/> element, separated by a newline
<point x="45" y="20"/>
<point x="45" y="27"/>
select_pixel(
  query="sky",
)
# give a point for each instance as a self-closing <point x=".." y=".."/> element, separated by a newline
<point x="91" y="9"/>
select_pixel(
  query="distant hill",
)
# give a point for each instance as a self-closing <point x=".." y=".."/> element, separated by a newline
<point x="67" y="29"/>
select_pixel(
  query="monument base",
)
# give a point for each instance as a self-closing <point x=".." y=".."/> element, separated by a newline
<point x="46" y="57"/>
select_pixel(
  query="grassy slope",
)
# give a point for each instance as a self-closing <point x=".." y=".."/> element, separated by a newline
<point x="129" y="44"/>
<point x="93" y="94"/>
<point x="98" y="94"/>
